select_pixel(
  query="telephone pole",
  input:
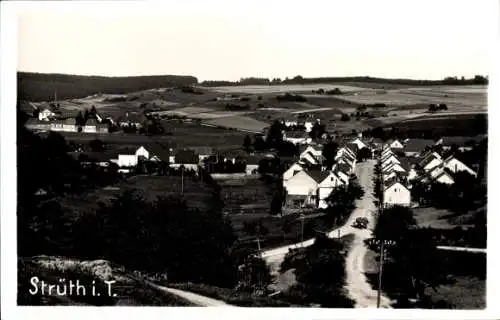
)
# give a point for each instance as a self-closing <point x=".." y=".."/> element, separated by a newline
<point x="302" y="217"/>
<point x="381" y="266"/>
<point x="182" y="181"/>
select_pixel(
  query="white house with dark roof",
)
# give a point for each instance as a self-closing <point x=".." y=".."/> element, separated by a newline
<point x="396" y="193"/>
<point x="456" y="165"/>
<point x="297" y="137"/>
<point x="360" y="144"/>
<point x="430" y="161"/>
<point x="293" y="170"/>
<point x="252" y="165"/>
<point x="396" y="144"/>
<point x="304" y="186"/>
<point x="315" y="150"/>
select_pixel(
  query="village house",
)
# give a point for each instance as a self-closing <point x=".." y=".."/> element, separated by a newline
<point x="389" y="159"/>
<point x="57" y="125"/>
<point x="301" y="189"/>
<point x="297" y="137"/>
<point x="46" y="114"/>
<point x="203" y="152"/>
<point x="456" y="165"/>
<point x="252" y="164"/>
<point x="360" y="144"/>
<point x="315" y="150"/>
<point x="124" y="158"/>
<point x="430" y="160"/>
<point x="132" y="120"/>
<point x="311" y="188"/>
<point x="35" y="124"/>
<point x="102" y="128"/>
<point x="395" y="193"/>
<point x="326" y="182"/>
<point x="396" y="144"/>
<point x="293" y="170"/>
<point x="90" y="126"/>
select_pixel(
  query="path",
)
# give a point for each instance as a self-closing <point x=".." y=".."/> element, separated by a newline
<point x="466" y="249"/>
<point x="194" y="298"/>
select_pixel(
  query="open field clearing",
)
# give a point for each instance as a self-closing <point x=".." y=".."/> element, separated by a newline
<point x="434" y="218"/>
<point x="285" y="88"/>
<point x="196" y="194"/>
<point x="241" y="123"/>
<point x="455" y="100"/>
<point x="182" y="135"/>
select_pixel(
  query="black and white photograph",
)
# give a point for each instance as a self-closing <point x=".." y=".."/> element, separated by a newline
<point x="309" y="155"/>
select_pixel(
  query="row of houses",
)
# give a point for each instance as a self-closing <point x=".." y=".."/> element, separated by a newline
<point x="67" y="125"/>
<point x="415" y="147"/>
<point x="394" y="177"/>
<point x="399" y="173"/>
<point x="308" y="182"/>
<point x="129" y="157"/>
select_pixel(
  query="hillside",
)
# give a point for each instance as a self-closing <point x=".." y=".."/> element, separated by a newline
<point x="41" y="86"/>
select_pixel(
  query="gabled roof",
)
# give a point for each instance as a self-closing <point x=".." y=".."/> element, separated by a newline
<point x="160" y="151"/>
<point x="318" y="176"/>
<point x="343" y="167"/>
<point x="417" y="145"/>
<point x="444" y="173"/>
<point x="428" y="158"/>
<point x="389" y="183"/>
<point x="405" y="163"/>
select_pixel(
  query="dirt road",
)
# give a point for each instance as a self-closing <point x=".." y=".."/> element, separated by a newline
<point x="194" y="298"/>
<point x="357" y="285"/>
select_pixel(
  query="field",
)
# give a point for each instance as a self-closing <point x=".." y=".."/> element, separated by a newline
<point x="435" y="218"/>
<point x="297" y="88"/>
<point x="196" y="194"/>
<point x="456" y="98"/>
<point x="180" y="135"/>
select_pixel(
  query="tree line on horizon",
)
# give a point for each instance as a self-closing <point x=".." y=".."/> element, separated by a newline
<point x="476" y="80"/>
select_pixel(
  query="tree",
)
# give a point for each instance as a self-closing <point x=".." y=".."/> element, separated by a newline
<point x="345" y="117"/>
<point x="86" y="115"/>
<point x="329" y="152"/>
<point x="275" y="136"/>
<point x="414" y="258"/>
<point x="277" y="201"/>
<point x="363" y="154"/>
<point x="393" y="223"/>
<point x="259" y="143"/>
<point x="80" y="120"/>
<point x="247" y="143"/>
<point x="93" y="110"/>
<point x="96" y="145"/>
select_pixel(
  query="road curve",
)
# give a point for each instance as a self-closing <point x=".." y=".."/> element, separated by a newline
<point x="194" y="298"/>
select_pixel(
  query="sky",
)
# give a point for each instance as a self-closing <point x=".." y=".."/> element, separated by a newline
<point x="224" y="40"/>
